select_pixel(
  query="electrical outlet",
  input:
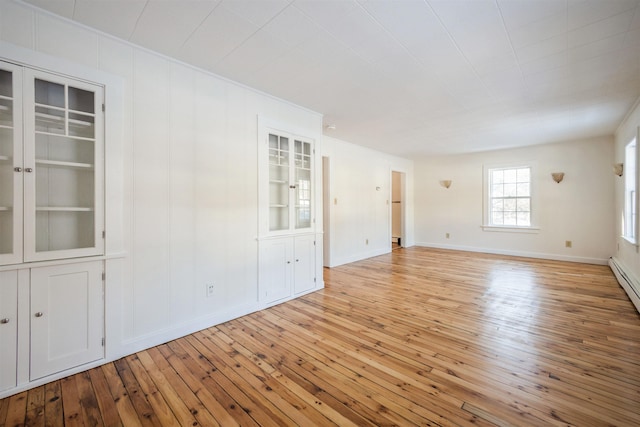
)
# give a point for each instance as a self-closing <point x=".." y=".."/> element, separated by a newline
<point x="447" y="235"/>
<point x="567" y="244"/>
<point x="210" y="289"/>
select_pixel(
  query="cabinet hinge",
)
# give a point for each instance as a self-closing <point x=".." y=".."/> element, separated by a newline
<point x="103" y="108"/>
<point x="314" y="280"/>
<point x="104" y="276"/>
<point x="104" y="234"/>
<point x="103" y="341"/>
<point x="314" y="243"/>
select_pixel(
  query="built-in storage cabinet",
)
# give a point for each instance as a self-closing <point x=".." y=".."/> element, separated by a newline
<point x="287" y="267"/>
<point x="66" y="314"/>
<point x="8" y="329"/>
<point x="57" y="321"/>
<point x="290" y="173"/>
<point x="288" y="255"/>
<point x="51" y="157"/>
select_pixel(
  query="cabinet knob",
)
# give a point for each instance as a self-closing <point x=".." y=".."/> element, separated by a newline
<point x="39" y="314"/>
<point x="4" y="321"/>
<point x="288" y="262"/>
<point x="17" y="169"/>
<point x="28" y="170"/>
<point x="297" y="260"/>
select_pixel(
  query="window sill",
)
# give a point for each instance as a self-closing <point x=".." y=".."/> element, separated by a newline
<point x="630" y="241"/>
<point x="507" y="229"/>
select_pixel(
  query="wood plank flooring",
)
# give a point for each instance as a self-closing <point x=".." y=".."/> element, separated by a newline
<point x="416" y="337"/>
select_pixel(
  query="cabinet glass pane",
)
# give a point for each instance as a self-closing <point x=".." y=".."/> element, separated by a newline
<point x="6" y="83"/>
<point x="6" y="162"/>
<point x="303" y="184"/>
<point x="6" y="191"/>
<point x="278" y="183"/>
<point x="65" y="167"/>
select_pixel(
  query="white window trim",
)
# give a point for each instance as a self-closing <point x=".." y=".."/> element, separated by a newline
<point x="486" y="206"/>
<point x="633" y="241"/>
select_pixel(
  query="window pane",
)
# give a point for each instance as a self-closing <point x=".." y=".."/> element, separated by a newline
<point x="524" y="218"/>
<point x="510" y="175"/>
<point x="523" y="189"/>
<point x="497" y="177"/>
<point x="496" y="218"/>
<point x="510" y="218"/>
<point x="524" y="205"/>
<point x="509" y="205"/>
<point x="510" y="190"/>
<point x="497" y="191"/>
<point x="497" y="204"/>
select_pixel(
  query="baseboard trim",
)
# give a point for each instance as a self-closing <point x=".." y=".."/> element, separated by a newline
<point x="627" y="280"/>
<point x="554" y="257"/>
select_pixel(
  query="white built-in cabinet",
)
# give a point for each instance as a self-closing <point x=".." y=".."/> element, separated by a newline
<point x="288" y="240"/>
<point x="51" y="223"/>
<point x="8" y="329"/>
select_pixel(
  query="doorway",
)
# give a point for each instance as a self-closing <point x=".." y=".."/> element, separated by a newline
<point x="397" y="209"/>
<point x="326" y="212"/>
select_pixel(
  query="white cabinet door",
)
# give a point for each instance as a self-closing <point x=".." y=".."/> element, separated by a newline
<point x="304" y="263"/>
<point x="8" y="328"/>
<point x="275" y="269"/>
<point x="63" y="167"/>
<point x="67" y="317"/>
<point x="10" y="164"/>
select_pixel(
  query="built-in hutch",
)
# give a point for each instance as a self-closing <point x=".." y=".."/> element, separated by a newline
<point x="51" y="223"/>
<point x="289" y="243"/>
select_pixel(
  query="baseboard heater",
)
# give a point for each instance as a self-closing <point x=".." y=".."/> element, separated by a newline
<point x="630" y="285"/>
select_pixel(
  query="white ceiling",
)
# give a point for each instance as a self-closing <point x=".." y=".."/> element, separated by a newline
<point x="407" y="77"/>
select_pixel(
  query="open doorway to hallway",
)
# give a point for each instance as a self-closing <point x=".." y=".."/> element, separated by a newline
<point x="397" y="209"/>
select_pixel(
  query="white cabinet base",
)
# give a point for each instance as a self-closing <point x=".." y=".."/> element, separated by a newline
<point x="66" y="317"/>
<point x="8" y="329"/>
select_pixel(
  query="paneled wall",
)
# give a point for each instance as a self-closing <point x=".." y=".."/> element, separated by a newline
<point x="360" y="201"/>
<point x="579" y="209"/>
<point x="181" y="181"/>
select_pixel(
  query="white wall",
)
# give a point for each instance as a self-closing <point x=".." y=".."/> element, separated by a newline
<point x="578" y="209"/>
<point x="627" y="255"/>
<point x="358" y="211"/>
<point x="181" y="181"/>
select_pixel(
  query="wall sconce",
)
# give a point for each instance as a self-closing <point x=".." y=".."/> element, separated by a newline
<point x="557" y="176"/>
<point x="618" y="168"/>
<point x="446" y="183"/>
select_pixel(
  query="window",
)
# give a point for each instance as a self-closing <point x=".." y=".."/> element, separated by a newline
<point x="630" y="197"/>
<point x="509" y="192"/>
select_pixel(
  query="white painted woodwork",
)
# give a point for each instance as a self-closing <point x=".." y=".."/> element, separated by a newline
<point x="304" y="263"/>
<point x="66" y="313"/>
<point x="8" y="329"/>
<point x="57" y="176"/>
<point x="11" y="152"/>
<point x="287" y="266"/>
<point x="276" y="269"/>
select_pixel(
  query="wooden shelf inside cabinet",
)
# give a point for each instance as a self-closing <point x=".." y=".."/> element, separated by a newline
<point x="5" y="158"/>
<point x="63" y="209"/>
<point x="50" y="118"/>
<point x="4" y="209"/>
<point x="277" y="181"/>
<point x="278" y="206"/>
<point x="59" y="164"/>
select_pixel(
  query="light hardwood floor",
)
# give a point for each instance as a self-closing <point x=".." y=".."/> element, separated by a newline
<point x="416" y="337"/>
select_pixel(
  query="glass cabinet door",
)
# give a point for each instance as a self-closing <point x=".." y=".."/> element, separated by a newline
<point x="302" y="184"/>
<point x="63" y="197"/>
<point x="278" y="182"/>
<point x="10" y="164"/>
